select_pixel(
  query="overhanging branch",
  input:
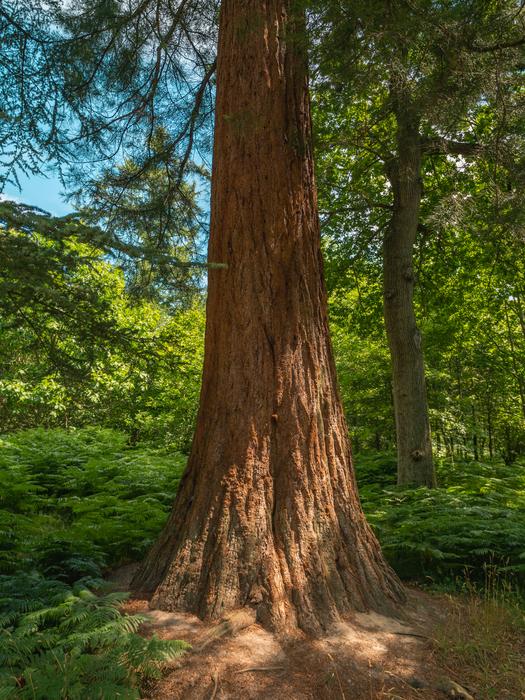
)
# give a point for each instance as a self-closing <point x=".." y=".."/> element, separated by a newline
<point x="440" y="147"/>
<point x="497" y="47"/>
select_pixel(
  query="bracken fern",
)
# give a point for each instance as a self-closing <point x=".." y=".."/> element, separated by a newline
<point x="475" y="517"/>
<point x="68" y="643"/>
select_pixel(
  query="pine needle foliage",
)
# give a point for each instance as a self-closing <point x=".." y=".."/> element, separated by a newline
<point x="64" y="642"/>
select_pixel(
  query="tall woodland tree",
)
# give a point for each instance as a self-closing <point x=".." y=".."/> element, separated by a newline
<point x="267" y="514"/>
<point x="402" y="82"/>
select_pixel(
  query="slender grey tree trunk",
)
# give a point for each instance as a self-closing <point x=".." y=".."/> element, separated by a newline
<point x="414" y="447"/>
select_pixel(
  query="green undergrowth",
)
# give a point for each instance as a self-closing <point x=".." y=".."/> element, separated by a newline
<point x="63" y="642"/>
<point x="73" y="503"/>
<point x="482" y="638"/>
<point x="475" y="518"/>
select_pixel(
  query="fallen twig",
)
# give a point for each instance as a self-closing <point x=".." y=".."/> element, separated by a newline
<point x="407" y="683"/>
<point x="337" y="675"/>
<point x="215" y="684"/>
<point x="261" y="668"/>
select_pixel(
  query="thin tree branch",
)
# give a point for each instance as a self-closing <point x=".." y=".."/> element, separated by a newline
<point x="440" y="146"/>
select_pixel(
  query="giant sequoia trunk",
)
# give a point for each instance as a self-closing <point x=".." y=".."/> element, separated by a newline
<point x="414" y="447"/>
<point x="267" y="514"/>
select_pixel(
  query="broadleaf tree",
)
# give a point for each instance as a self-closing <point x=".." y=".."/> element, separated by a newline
<point x="398" y="86"/>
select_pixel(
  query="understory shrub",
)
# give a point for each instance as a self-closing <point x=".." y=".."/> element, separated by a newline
<point x="75" y="503"/>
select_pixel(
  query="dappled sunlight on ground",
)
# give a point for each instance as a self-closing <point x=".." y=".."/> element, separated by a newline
<point x="367" y="656"/>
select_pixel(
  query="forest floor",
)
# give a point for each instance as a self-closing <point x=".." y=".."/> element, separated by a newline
<point x="367" y="657"/>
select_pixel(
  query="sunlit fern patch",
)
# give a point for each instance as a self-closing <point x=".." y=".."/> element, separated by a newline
<point x="63" y="642"/>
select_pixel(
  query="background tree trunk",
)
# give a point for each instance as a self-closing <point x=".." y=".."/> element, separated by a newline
<point x="267" y="513"/>
<point x="414" y="448"/>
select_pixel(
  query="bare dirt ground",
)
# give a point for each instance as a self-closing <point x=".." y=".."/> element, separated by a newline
<point x="366" y="657"/>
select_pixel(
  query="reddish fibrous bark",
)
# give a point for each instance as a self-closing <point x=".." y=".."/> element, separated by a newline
<point x="267" y="514"/>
